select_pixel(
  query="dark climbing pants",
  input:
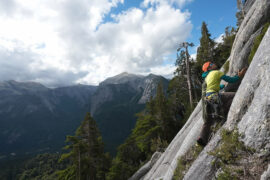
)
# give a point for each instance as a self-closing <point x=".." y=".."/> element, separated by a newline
<point x="226" y="99"/>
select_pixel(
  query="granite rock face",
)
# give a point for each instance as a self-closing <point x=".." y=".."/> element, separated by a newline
<point x="250" y="110"/>
<point x="143" y="170"/>
<point x="266" y="174"/>
<point x="248" y="4"/>
<point x="256" y="17"/>
<point x="165" y="166"/>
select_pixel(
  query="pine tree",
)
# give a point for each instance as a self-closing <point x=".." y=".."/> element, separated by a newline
<point x="223" y="50"/>
<point x="154" y="129"/>
<point x="160" y="107"/>
<point x="163" y="117"/>
<point x="184" y="64"/>
<point x="180" y="63"/>
<point x="178" y="97"/>
<point x="240" y="14"/>
<point x="86" y="153"/>
<point x="205" y="51"/>
<point x="127" y="161"/>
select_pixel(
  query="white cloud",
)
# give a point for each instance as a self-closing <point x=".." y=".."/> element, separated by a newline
<point x="219" y="39"/>
<point x="179" y="3"/>
<point x="16" y="66"/>
<point x="193" y="56"/>
<point x="65" y="41"/>
<point x="7" y="7"/>
<point x="166" y="71"/>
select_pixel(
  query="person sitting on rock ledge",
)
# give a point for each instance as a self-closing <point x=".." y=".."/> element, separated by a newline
<point x="215" y="105"/>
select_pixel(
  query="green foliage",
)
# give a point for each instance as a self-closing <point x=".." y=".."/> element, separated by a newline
<point x="185" y="161"/>
<point x="127" y="160"/>
<point x="120" y="110"/>
<point x="11" y="169"/>
<point x="240" y="14"/>
<point x="226" y="66"/>
<point x="179" y="172"/>
<point x="86" y="154"/>
<point x="158" y="144"/>
<point x="40" y="167"/>
<point x="180" y="63"/>
<point x="67" y="174"/>
<point x="146" y="129"/>
<point x="188" y="70"/>
<point x="227" y="175"/>
<point x="214" y="52"/>
<point x="178" y="97"/>
<point x="156" y="126"/>
<point x="120" y="170"/>
<point x="222" y="50"/>
<point x="205" y="51"/>
<point x="229" y="153"/>
<point x="178" y="87"/>
<point x="257" y="42"/>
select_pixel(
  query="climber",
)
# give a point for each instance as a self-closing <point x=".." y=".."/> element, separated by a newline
<point x="215" y="105"/>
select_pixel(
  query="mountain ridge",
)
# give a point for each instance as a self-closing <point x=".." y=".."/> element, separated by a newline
<point x="30" y="110"/>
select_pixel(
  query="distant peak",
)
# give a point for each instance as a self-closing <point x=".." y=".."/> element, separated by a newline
<point x="11" y="81"/>
<point x="121" y="78"/>
<point x="26" y="85"/>
<point x="153" y="75"/>
<point x="124" y="73"/>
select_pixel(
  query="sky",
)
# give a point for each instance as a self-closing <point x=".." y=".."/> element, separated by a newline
<point x="66" y="42"/>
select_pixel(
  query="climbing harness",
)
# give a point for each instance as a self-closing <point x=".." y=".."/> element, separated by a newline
<point x="212" y="105"/>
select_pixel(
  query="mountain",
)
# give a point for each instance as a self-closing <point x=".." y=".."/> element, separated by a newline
<point x="240" y="148"/>
<point x="123" y="78"/>
<point x="117" y="100"/>
<point x="35" y="118"/>
<point x="143" y="86"/>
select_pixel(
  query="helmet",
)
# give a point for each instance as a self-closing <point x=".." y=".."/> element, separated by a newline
<point x="206" y="66"/>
